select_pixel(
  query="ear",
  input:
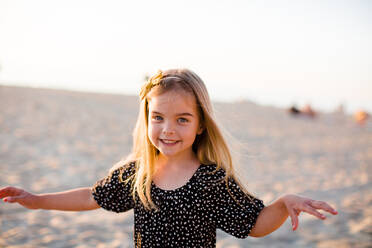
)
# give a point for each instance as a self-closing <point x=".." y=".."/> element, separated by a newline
<point x="200" y="130"/>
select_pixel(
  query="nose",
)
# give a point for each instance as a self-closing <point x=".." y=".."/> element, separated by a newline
<point x="168" y="132"/>
<point x="168" y="129"/>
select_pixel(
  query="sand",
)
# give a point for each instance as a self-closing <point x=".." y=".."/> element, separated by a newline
<point x="53" y="140"/>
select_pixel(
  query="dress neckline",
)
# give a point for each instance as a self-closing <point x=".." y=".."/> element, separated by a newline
<point x="170" y="191"/>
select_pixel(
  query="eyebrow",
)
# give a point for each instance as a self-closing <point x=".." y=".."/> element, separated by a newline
<point x="180" y="114"/>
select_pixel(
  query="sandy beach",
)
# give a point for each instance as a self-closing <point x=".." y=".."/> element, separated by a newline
<point x="54" y="140"/>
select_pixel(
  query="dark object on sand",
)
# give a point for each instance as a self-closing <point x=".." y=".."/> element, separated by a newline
<point x="294" y="110"/>
<point x="305" y="111"/>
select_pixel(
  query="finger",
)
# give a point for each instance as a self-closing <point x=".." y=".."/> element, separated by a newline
<point x="3" y="192"/>
<point x="10" y="199"/>
<point x="297" y="212"/>
<point x="324" y="206"/>
<point x="294" y="219"/>
<point x="7" y="191"/>
<point x="310" y="210"/>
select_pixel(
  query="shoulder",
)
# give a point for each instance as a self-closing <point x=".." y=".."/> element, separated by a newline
<point x="122" y="171"/>
<point x="123" y="165"/>
<point x="119" y="174"/>
<point x="212" y="171"/>
<point x="211" y="175"/>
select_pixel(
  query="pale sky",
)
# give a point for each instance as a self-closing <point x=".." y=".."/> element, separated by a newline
<point x="271" y="52"/>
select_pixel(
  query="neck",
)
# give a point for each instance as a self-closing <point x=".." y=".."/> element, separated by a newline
<point x="177" y="162"/>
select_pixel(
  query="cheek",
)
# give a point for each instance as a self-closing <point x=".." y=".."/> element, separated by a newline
<point x="152" y="132"/>
<point x="151" y="135"/>
<point x="191" y="133"/>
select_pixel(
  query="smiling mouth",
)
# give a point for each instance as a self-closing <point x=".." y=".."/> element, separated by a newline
<point x="169" y="142"/>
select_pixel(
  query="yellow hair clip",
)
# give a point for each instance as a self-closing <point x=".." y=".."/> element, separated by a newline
<point x="153" y="81"/>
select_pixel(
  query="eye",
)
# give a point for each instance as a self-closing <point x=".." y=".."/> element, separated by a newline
<point x="183" y="120"/>
<point x="157" y="118"/>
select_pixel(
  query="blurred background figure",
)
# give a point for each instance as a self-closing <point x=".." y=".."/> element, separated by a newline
<point x="361" y="117"/>
<point x="340" y="109"/>
<point x="307" y="110"/>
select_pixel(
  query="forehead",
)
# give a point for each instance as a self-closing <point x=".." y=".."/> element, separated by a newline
<point x="173" y="102"/>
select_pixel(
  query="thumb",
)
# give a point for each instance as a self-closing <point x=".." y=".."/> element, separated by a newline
<point x="294" y="219"/>
<point x="12" y="199"/>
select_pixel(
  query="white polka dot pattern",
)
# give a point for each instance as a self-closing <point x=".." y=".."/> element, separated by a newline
<point x="187" y="216"/>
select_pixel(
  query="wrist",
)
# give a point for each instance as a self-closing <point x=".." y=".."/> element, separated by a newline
<point x="282" y="200"/>
<point x="37" y="201"/>
<point x="287" y="197"/>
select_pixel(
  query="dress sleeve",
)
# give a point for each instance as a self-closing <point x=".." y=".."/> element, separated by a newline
<point x="114" y="194"/>
<point x="236" y="211"/>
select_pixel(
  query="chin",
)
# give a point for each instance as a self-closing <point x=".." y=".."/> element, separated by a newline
<point x="168" y="154"/>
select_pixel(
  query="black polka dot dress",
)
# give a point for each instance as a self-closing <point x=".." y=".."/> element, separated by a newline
<point x="187" y="216"/>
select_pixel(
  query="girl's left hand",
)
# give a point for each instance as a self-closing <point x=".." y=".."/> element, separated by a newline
<point x="296" y="204"/>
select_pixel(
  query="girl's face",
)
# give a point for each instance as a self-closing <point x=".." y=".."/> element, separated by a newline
<point x="173" y="123"/>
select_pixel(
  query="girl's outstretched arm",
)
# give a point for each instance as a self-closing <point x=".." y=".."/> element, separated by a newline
<point x="274" y="215"/>
<point x="73" y="200"/>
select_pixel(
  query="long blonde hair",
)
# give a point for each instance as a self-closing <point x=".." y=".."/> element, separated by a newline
<point x="210" y="146"/>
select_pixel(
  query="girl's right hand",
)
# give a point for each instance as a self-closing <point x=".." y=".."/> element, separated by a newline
<point x="15" y="195"/>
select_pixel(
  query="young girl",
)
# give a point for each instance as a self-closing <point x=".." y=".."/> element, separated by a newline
<point x="179" y="177"/>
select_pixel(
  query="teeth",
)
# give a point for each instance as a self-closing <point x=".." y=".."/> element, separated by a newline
<point x="169" y="142"/>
